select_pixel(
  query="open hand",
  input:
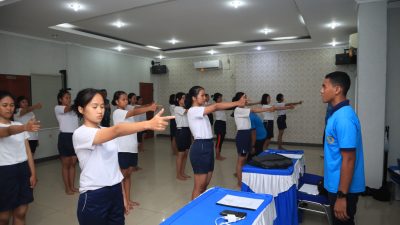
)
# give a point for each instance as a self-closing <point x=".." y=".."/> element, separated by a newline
<point x="32" y="125"/>
<point x="159" y="123"/>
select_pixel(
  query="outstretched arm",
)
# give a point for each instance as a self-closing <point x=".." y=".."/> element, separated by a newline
<point x="24" y="111"/>
<point x="32" y="126"/>
<point x="293" y="103"/>
<point x="141" y="110"/>
<point x="224" y="105"/>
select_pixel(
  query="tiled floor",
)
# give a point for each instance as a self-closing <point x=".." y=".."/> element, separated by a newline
<point x="160" y="194"/>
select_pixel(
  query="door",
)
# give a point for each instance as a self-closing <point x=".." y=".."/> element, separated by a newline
<point x="146" y="92"/>
<point x="17" y="85"/>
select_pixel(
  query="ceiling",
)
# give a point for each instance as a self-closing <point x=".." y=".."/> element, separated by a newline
<point x="198" y="25"/>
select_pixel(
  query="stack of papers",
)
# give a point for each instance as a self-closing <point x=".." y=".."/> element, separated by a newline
<point x="240" y="202"/>
<point x="292" y="156"/>
<point x="309" y="189"/>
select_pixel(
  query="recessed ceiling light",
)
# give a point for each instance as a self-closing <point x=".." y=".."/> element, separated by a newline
<point x="265" y="31"/>
<point x="258" y="48"/>
<point x="76" y="6"/>
<point x="230" y="43"/>
<point x="119" y="24"/>
<point x="212" y="52"/>
<point x="66" y="25"/>
<point x="119" y="48"/>
<point x="284" y="38"/>
<point x="334" y="43"/>
<point x="153" y="47"/>
<point x="173" y="41"/>
<point x="236" y="4"/>
<point x="160" y="57"/>
<point x="333" y="25"/>
<point x="301" y="19"/>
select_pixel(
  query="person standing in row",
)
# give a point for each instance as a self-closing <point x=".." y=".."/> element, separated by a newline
<point x="23" y="114"/>
<point x="127" y="145"/>
<point x="17" y="168"/>
<point x="219" y="127"/>
<point x="139" y="118"/>
<point x="202" y="149"/>
<point x="172" y="124"/>
<point x="105" y="122"/>
<point x="268" y="119"/>
<point x="207" y="103"/>
<point x="243" y="136"/>
<point x="101" y="200"/>
<point x="183" y="136"/>
<point x="68" y="122"/>
<point x="258" y="135"/>
<point x="281" y="107"/>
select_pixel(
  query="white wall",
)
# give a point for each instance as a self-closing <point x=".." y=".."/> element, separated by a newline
<point x="392" y="84"/>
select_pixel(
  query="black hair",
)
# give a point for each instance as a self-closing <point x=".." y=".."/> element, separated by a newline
<point x="83" y="98"/>
<point x="103" y="90"/>
<point x="235" y="98"/>
<point x="130" y="95"/>
<point x="61" y="94"/>
<point x="4" y="94"/>
<point x="216" y="96"/>
<point x="279" y="97"/>
<point x="193" y="92"/>
<point x="178" y="97"/>
<point x="117" y="94"/>
<point x="339" y="78"/>
<point x="264" y="99"/>
<point x="172" y="99"/>
<point x="19" y="100"/>
<point x="138" y="97"/>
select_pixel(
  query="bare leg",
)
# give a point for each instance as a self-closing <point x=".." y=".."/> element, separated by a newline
<point x="280" y="135"/>
<point x="179" y="159"/>
<point x="71" y="173"/>
<point x="218" y="149"/>
<point x="5" y="217"/>
<point x="173" y="146"/>
<point x="19" y="214"/>
<point x="267" y="142"/>
<point x="184" y="165"/>
<point x="200" y="184"/>
<point x="240" y="162"/>
<point x="65" y="174"/>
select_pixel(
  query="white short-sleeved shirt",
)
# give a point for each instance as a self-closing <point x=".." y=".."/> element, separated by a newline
<point x="199" y="123"/>
<point x="68" y="121"/>
<point x="129" y="108"/>
<point x="99" y="163"/>
<point x="181" y="117"/>
<point x="220" y="115"/>
<point x="171" y="109"/>
<point x="242" y="118"/>
<point x="268" y="115"/>
<point x="12" y="148"/>
<point x="24" y="119"/>
<point x="127" y="143"/>
<point x="140" y="117"/>
<point x="280" y="112"/>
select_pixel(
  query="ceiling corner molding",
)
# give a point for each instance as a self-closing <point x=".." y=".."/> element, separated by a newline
<point x="369" y="1"/>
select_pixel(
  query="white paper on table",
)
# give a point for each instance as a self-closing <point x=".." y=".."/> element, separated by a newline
<point x="309" y="189"/>
<point x="397" y="171"/>
<point x="240" y="202"/>
<point x="292" y="156"/>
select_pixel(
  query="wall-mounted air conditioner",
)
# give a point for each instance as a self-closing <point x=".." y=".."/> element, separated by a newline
<point x="208" y="65"/>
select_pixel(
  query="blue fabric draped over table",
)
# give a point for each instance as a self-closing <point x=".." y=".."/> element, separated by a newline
<point x="280" y="183"/>
<point x="204" y="210"/>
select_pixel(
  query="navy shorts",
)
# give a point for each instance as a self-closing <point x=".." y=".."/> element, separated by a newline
<point x="183" y="138"/>
<point x="33" y="145"/>
<point x="104" y="206"/>
<point x="172" y="128"/>
<point x="127" y="159"/>
<point x="243" y="142"/>
<point x="269" y="127"/>
<point x="140" y="136"/>
<point x="15" y="187"/>
<point x="202" y="156"/>
<point x="65" y="145"/>
<point x="220" y="127"/>
<point x="281" y="121"/>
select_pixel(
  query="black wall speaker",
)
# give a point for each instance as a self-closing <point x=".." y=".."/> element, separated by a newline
<point x="158" y="69"/>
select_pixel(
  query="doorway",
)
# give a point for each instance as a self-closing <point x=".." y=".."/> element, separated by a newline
<point x="146" y="92"/>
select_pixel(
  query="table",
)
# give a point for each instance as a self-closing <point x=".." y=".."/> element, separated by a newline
<point x="204" y="210"/>
<point x="280" y="183"/>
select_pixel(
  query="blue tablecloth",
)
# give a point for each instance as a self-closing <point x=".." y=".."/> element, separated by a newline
<point x="204" y="210"/>
<point x="281" y="183"/>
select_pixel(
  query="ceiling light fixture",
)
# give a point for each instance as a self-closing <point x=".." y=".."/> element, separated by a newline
<point x="334" y="43"/>
<point x="258" y="48"/>
<point x="230" y="43"/>
<point x="173" y="41"/>
<point x="333" y="25"/>
<point x="236" y="4"/>
<point x="302" y="20"/>
<point x="66" y="25"/>
<point x="153" y="47"/>
<point x="119" y="24"/>
<point x="284" y="38"/>
<point x="119" y="48"/>
<point x="265" y="31"/>
<point x="212" y="52"/>
<point x="76" y="6"/>
<point x="160" y="57"/>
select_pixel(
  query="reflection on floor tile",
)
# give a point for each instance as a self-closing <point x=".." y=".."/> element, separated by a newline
<point x="160" y="194"/>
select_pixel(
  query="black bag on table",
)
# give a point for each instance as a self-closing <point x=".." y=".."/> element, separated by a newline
<point x="271" y="161"/>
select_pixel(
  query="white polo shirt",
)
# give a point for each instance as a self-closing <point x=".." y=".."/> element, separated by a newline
<point x="68" y="122"/>
<point x="171" y="109"/>
<point x="140" y="117"/>
<point x="99" y="163"/>
<point x="242" y="118"/>
<point x="220" y="115"/>
<point x="24" y="119"/>
<point x="199" y="123"/>
<point x="127" y="143"/>
<point x="181" y="117"/>
<point x="129" y="108"/>
<point x="12" y="148"/>
<point x="280" y="112"/>
<point x="268" y="115"/>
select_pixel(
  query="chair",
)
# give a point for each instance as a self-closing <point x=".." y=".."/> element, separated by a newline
<point x="305" y="199"/>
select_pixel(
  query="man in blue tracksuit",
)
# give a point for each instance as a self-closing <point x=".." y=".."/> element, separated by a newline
<point x="344" y="177"/>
